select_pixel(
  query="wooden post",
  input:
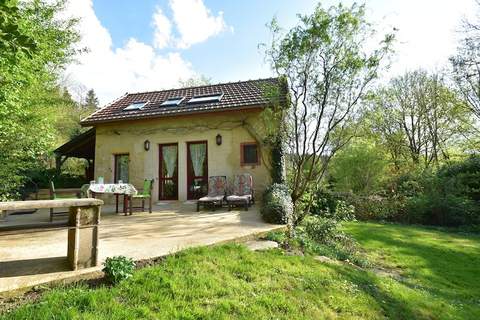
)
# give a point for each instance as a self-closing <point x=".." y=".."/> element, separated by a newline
<point x="83" y="237"/>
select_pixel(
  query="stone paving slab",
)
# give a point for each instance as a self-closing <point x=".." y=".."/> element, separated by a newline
<point x="30" y="259"/>
<point x="258" y="245"/>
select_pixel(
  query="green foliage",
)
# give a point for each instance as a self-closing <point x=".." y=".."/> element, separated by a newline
<point x="278" y="170"/>
<point x="449" y="197"/>
<point x="42" y="177"/>
<point x="333" y="206"/>
<point x="118" y="268"/>
<point x="465" y="65"/>
<point x="378" y="207"/>
<point x="13" y="38"/>
<point x="91" y="100"/>
<point x="276" y="205"/>
<point x="69" y="112"/>
<point x="428" y="274"/>
<point x="327" y="68"/>
<point x="361" y="168"/>
<point x="418" y="119"/>
<point x="196" y="81"/>
<point x="277" y="236"/>
<point x="28" y="83"/>
<point x="322" y="230"/>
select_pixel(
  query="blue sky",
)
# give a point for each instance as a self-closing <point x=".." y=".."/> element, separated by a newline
<point x="152" y="44"/>
<point x="228" y="57"/>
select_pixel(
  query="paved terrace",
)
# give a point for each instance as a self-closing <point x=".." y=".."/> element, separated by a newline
<point x="30" y="259"/>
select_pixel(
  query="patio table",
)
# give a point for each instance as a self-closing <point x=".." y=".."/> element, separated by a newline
<point x="116" y="189"/>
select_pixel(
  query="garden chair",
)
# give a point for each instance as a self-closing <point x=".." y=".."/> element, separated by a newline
<point x="54" y="193"/>
<point x="217" y="186"/>
<point x="242" y="191"/>
<point x="145" y="194"/>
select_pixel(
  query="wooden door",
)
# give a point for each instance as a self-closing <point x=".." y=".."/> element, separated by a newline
<point x="197" y="169"/>
<point x="168" y="177"/>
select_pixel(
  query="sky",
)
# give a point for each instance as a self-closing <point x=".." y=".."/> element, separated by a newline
<point x="145" y="45"/>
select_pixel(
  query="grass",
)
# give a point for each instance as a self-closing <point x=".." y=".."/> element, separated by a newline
<point x="440" y="268"/>
<point x="439" y="280"/>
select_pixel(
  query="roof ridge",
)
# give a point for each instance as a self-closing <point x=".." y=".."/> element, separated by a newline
<point x="203" y="86"/>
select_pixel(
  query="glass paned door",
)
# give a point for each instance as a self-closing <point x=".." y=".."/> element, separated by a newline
<point x="197" y="169"/>
<point x="121" y="168"/>
<point x="168" y="178"/>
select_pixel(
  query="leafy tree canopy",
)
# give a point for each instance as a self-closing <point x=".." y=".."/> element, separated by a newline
<point x="41" y="45"/>
<point x="328" y="67"/>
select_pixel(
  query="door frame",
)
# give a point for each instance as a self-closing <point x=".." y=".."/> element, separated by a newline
<point x="160" y="167"/>
<point x="115" y="163"/>
<point x="190" y="174"/>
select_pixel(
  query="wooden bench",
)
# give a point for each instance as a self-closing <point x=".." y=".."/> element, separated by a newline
<point x="82" y="226"/>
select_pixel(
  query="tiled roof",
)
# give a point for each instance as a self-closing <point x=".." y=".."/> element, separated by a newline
<point x="236" y="95"/>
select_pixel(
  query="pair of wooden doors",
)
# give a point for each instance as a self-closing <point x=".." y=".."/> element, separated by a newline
<point x="197" y="170"/>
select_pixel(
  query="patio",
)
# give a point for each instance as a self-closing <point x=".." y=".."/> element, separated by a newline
<point x="28" y="259"/>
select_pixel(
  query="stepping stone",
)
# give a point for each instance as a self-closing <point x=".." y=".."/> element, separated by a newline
<point x="256" y="245"/>
<point x="325" y="259"/>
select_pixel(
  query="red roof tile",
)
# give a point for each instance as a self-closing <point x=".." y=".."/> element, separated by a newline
<point x="236" y="95"/>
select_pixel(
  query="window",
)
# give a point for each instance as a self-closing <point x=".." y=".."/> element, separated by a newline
<point x="249" y="154"/>
<point x="206" y="98"/>
<point x="172" y="101"/>
<point x="121" y="168"/>
<point x="135" y="106"/>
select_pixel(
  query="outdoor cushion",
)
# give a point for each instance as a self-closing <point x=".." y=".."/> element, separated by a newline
<point x="235" y="198"/>
<point x="211" y="198"/>
<point x="217" y="186"/>
<point x="243" y="184"/>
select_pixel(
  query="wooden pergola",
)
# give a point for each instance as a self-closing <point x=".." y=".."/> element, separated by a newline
<point x="82" y="146"/>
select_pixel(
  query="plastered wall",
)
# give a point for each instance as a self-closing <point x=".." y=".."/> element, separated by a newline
<point x="128" y="137"/>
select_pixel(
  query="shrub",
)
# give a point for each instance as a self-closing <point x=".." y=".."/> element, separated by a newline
<point x="277" y="204"/>
<point x="448" y="197"/>
<point x="118" y="268"/>
<point x="376" y="207"/>
<point x="277" y="236"/>
<point x="448" y="210"/>
<point x="320" y="229"/>
<point x="322" y="235"/>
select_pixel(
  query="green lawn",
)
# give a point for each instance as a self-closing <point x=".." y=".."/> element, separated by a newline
<point x="440" y="270"/>
<point x="439" y="280"/>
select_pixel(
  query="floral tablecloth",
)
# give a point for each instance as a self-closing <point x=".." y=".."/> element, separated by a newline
<point x="117" y="188"/>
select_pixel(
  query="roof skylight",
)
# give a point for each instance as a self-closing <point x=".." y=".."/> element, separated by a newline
<point x="135" y="106"/>
<point x="172" y="101"/>
<point x="206" y="98"/>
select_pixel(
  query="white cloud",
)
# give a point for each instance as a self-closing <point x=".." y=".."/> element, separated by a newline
<point x="111" y="72"/>
<point x="195" y="22"/>
<point x="163" y="29"/>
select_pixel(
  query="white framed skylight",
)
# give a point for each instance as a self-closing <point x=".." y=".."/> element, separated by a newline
<point x="175" y="101"/>
<point x="206" y="98"/>
<point x="135" y="106"/>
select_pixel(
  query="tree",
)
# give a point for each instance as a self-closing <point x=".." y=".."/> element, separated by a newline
<point x="28" y="88"/>
<point x="195" y="81"/>
<point x="328" y="70"/>
<point x="466" y="65"/>
<point x="360" y="168"/>
<point x="13" y="39"/>
<point x="91" y="100"/>
<point x="418" y="118"/>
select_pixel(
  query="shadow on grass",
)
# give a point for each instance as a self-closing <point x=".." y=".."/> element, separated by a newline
<point x="435" y="262"/>
<point x="368" y="283"/>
